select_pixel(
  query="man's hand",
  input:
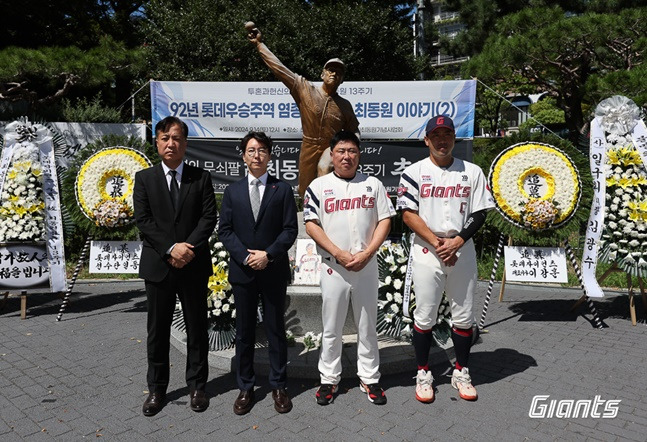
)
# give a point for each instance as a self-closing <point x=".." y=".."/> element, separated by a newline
<point x="447" y="248"/>
<point x="257" y="259"/>
<point x="343" y="257"/>
<point x="182" y="253"/>
<point x="359" y="261"/>
<point x="253" y="34"/>
<point x="175" y="263"/>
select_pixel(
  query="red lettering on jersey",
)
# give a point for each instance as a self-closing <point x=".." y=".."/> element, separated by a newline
<point x="363" y="202"/>
<point x="457" y="191"/>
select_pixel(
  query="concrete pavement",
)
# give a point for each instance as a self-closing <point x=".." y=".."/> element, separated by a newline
<point x="84" y="377"/>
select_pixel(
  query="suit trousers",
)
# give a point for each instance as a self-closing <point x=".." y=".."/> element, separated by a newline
<point x="273" y="301"/>
<point x="161" y="300"/>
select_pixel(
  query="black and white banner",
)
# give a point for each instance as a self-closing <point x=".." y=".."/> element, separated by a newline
<point x="384" y="160"/>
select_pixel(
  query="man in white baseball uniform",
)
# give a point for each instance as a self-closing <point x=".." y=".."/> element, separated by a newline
<point x="444" y="201"/>
<point x="348" y="214"/>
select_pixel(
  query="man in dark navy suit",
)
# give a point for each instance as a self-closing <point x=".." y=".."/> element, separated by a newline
<point x="258" y="224"/>
<point x="176" y="213"/>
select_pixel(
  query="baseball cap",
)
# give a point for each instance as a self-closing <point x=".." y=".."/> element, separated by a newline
<point x="439" y="121"/>
<point x="335" y="61"/>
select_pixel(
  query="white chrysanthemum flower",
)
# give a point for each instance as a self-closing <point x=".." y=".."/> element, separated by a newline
<point x="397" y="284"/>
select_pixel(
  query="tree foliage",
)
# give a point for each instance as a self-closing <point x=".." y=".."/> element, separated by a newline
<point x="544" y="112"/>
<point x="564" y="54"/>
<point x="205" y="40"/>
<point x="45" y="75"/>
<point x="481" y="16"/>
<point x="66" y="48"/>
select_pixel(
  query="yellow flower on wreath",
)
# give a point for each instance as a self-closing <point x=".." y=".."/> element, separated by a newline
<point x="219" y="280"/>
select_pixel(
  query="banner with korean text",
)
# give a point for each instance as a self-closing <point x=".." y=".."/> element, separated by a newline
<point x="385" y="160"/>
<point x="386" y="110"/>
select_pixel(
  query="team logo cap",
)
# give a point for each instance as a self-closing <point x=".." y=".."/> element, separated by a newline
<point x="439" y="121"/>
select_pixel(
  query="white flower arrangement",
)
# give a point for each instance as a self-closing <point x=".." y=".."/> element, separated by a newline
<point x="22" y="208"/>
<point x="535" y="186"/>
<point x="624" y="239"/>
<point x="112" y="213"/>
<point x="104" y="185"/>
<point x="312" y="340"/>
<point x="392" y="265"/>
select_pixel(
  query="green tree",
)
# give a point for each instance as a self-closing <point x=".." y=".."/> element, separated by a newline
<point x="562" y="54"/>
<point x="42" y="77"/>
<point x="66" y="48"/>
<point x="480" y="17"/>
<point x="544" y="112"/>
<point x="205" y="39"/>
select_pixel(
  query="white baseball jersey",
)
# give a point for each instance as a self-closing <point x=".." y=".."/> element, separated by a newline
<point x="347" y="210"/>
<point x="444" y="198"/>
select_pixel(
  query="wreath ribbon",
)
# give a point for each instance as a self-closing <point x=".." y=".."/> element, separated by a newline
<point x="406" y="295"/>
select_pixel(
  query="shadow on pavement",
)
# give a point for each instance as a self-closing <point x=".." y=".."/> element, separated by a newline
<point x="492" y="366"/>
<point x="81" y="303"/>
<point x="545" y="310"/>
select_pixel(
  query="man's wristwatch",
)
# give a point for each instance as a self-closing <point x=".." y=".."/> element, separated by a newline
<point x="270" y="258"/>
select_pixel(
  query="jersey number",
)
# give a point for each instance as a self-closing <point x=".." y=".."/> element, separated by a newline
<point x="463" y="205"/>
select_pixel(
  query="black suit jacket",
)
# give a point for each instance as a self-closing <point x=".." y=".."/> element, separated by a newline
<point x="274" y="231"/>
<point x="161" y="226"/>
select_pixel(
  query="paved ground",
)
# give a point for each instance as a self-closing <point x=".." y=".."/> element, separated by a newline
<point x="84" y="378"/>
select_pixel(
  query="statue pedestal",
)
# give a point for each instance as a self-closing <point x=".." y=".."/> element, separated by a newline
<point x="395" y="356"/>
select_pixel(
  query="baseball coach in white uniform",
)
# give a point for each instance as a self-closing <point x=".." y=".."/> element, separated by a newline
<point x="348" y="214"/>
<point x="444" y="201"/>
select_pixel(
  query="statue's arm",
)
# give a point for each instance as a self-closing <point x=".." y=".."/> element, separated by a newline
<point x="285" y="75"/>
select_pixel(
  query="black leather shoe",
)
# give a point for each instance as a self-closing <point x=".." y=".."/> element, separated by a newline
<point x="199" y="401"/>
<point x="153" y="404"/>
<point x="282" y="402"/>
<point x="244" y="402"/>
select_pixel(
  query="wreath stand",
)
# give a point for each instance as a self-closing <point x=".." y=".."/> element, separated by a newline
<point x="576" y="267"/>
<point x="630" y="289"/>
<point x="70" y="287"/>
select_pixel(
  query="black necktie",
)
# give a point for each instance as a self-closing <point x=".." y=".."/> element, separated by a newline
<point x="175" y="190"/>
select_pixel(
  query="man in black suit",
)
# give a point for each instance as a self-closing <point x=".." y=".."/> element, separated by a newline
<point x="258" y="224"/>
<point x="176" y="213"/>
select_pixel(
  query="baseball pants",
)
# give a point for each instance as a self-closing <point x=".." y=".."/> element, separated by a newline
<point x="431" y="278"/>
<point x="338" y="287"/>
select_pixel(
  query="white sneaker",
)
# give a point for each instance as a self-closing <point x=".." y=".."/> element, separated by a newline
<point x="462" y="381"/>
<point x="424" y="387"/>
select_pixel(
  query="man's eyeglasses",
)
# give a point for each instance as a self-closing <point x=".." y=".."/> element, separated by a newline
<point x="261" y="152"/>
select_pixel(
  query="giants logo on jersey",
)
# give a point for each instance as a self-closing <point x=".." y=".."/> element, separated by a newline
<point x="335" y="205"/>
<point x="428" y="190"/>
